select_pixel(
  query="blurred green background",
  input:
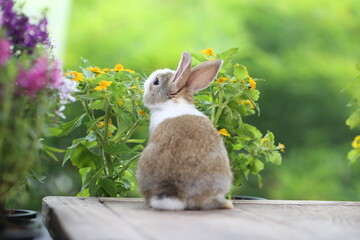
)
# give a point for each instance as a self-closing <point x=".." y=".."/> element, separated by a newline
<point x="306" y="50"/>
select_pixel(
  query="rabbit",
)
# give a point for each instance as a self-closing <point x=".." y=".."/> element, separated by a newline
<point x="185" y="163"/>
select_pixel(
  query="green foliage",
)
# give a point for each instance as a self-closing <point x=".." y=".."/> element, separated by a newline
<point x="231" y="98"/>
<point x="354" y="120"/>
<point x="111" y="100"/>
<point x="305" y="49"/>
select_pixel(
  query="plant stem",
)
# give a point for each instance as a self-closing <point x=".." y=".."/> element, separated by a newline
<point x="221" y="106"/>
<point x="6" y="104"/>
<point x="213" y="101"/>
<point x="127" y="165"/>
<point x="132" y="129"/>
<point x="89" y="114"/>
<point x="107" y="156"/>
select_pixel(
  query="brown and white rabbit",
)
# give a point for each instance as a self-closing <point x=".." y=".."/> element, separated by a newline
<point x="185" y="164"/>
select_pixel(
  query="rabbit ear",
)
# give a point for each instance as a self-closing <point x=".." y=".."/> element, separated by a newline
<point x="203" y="75"/>
<point x="182" y="73"/>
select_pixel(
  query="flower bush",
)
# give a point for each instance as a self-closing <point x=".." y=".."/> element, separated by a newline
<point x="228" y="101"/>
<point x="354" y="120"/>
<point x="112" y="110"/>
<point x="33" y="92"/>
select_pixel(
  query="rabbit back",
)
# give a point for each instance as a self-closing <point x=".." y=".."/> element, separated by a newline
<point x="185" y="165"/>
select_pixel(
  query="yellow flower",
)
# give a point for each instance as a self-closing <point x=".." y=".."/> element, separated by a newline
<point x="356" y="142"/>
<point x="281" y="147"/>
<point x="136" y="103"/>
<point x="78" y="77"/>
<point x="221" y="79"/>
<point x="129" y="70"/>
<point x="263" y="140"/>
<point x="133" y="87"/>
<point x="103" y="85"/>
<point x="120" y="102"/>
<point x="102" y="123"/>
<point x="118" y="68"/>
<point x="141" y="112"/>
<point x="252" y="83"/>
<point x="208" y="52"/>
<point x="248" y="102"/>
<point x="211" y="59"/>
<point x="106" y="69"/>
<point x="96" y="70"/>
<point x="224" y="132"/>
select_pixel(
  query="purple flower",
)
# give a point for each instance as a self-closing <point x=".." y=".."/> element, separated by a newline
<point x="5" y="53"/>
<point x="55" y="74"/>
<point x="34" y="79"/>
<point x="23" y="34"/>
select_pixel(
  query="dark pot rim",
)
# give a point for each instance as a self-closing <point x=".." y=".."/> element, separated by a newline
<point x="240" y="197"/>
<point x="19" y="214"/>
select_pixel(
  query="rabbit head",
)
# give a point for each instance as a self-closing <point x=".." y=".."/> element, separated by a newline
<point x="166" y="84"/>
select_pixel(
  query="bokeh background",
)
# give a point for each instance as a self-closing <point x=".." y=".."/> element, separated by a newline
<point x="306" y="50"/>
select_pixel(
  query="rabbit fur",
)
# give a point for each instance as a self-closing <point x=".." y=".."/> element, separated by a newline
<point x="185" y="163"/>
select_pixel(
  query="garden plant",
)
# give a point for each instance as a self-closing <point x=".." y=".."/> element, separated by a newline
<point x="33" y="94"/>
<point x="354" y="119"/>
<point x="112" y="111"/>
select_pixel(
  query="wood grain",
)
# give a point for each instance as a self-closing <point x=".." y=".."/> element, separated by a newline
<point x="114" y="218"/>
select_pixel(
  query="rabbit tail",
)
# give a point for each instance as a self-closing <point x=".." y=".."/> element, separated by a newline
<point x="167" y="197"/>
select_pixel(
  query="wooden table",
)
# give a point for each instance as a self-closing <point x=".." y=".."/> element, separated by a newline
<point x="115" y="218"/>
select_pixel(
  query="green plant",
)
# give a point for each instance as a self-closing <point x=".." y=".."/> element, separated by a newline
<point x="232" y="97"/>
<point x="32" y="95"/>
<point x="111" y="105"/>
<point x="354" y="119"/>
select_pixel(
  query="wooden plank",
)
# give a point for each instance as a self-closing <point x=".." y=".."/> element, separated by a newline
<point x="318" y="220"/>
<point x="114" y="218"/>
<point x="83" y="218"/>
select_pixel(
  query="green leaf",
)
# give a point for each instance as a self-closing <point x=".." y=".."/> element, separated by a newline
<point x="354" y="119"/>
<point x="136" y="140"/>
<point x="353" y="155"/>
<point x="109" y="186"/>
<point x="198" y="56"/>
<point x="117" y="149"/>
<point x="87" y="73"/>
<point x="52" y="155"/>
<point x="226" y="56"/>
<point x="98" y="104"/>
<point x="68" y="127"/>
<point x="53" y="131"/>
<point x="71" y="149"/>
<point x="137" y="148"/>
<point x="270" y="136"/>
<point x="273" y="157"/>
<point x="82" y="157"/>
<point x="252" y="94"/>
<point x="53" y="149"/>
<point x="248" y="132"/>
<point x="93" y="95"/>
<point x="256" y="166"/>
<point x="92" y="124"/>
<point x="240" y="72"/>
<point x="238" y="146"/>
<point x="85" y="176"/>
